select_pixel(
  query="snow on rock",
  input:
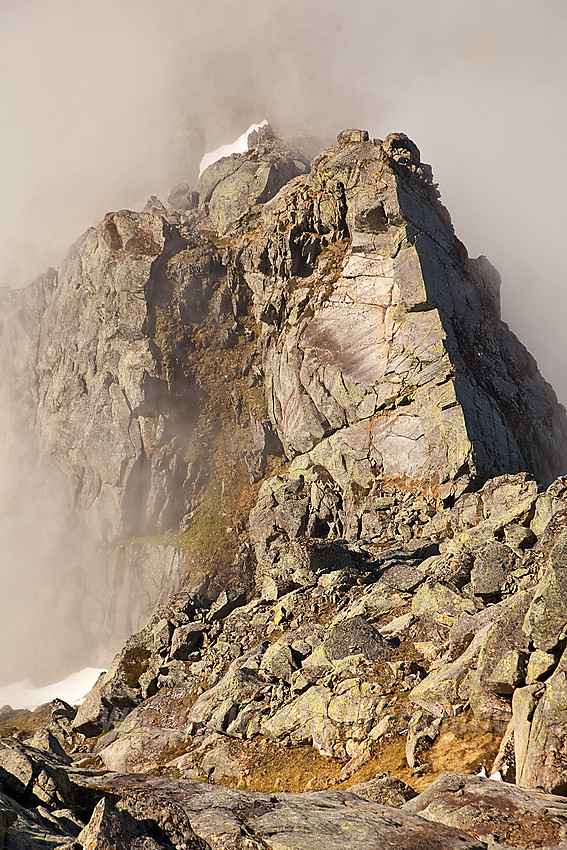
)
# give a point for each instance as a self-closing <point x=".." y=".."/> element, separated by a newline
<point x="239" y="146"/>
<point x="73" y="690"/>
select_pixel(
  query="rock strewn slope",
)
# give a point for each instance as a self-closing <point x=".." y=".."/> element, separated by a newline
<point x="408" y="607"/>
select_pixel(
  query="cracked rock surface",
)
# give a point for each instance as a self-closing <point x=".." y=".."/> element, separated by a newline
<point x="314" y="488"/>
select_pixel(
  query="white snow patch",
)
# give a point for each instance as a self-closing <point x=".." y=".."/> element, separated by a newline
<point x="239" y="146"/>
<point x="73" y="690"/>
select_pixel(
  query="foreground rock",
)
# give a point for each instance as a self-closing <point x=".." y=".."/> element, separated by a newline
<point x="47" y="804"/>
<point x="494" y="812"/>
<point x="233" y="820"/>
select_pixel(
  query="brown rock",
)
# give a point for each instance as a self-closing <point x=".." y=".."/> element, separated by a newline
<point x="493" y="811"/>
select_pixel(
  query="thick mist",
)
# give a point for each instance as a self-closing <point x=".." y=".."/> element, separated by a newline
<point x="106" y="103"/>
<point x="103" y="104"/>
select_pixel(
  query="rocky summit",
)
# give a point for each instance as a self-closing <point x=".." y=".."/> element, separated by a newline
<point x="283" y="456"/>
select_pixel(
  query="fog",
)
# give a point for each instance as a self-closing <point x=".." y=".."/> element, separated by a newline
<point x="105" y="103"/>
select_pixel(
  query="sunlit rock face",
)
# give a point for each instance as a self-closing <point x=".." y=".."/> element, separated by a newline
<point x="386" y="360"/>
<point x="336" y="315"/>
<point x="286" y="409"/>
<point x="402" y="331"/>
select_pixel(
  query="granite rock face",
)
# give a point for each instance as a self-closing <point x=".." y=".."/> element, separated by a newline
<point x="348" y="303"/>
<point x="286" y="411"/>
<point x="103" y="423"/>
<point x="384" y="353"/>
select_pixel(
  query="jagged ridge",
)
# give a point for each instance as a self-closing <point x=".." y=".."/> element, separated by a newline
<point x="409" y="565"/>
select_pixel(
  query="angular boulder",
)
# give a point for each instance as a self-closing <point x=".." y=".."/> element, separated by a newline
<point x="493" y="812"/>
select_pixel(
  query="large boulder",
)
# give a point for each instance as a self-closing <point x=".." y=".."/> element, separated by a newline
<point x="232" y="186"/>
<point x="138" y="822"/>
<point x="493" y="812"/>
<point x="236" y="820"/>
<point x="546" y="620"/>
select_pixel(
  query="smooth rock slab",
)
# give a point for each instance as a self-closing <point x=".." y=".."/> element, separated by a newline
<point x="325" y="820"/>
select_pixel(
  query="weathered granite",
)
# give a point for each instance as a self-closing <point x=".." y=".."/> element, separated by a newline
<point x="493" y="812"/>
<point x="233" y="819"/>
<point x="406" y="331"/>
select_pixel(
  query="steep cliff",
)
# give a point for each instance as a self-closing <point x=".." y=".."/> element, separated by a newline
<point x="338" y="310"/>
<point x="342" y="296"/>
<point x="386" y="361"/>
<point x="285" y="411"/>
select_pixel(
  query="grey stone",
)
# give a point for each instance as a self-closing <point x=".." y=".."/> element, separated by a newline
<point x="111" y="828"/>
<point x="403" y="577"/>
<point x="519" y="537"/>
<point x="539" y="665"/>
<point x="438" y="601"/>
<point x="182" y="197"/>
<point x="162" y="636"/>
<point x="225" y="604"/>
<point x="109" y="700"/>
<point x="23" y="829"/>
<point x="16" y="771"/>
<point x="493" y="811"/>
<point x="372" y="368"/>
<point x="439" y="690"/>
<point x="504" y="639"/>
<point x="384" y="789"/>
<point x="356" y="636"/>
<point x="7" y="817"/>
<point x="233" y="185"/>
<point x="278" y="663"/>
<point x="347" y="137"/>
<point x="509" y="671"/>
<point x="423" y="730"/>
<point x="546" y="620"/>
<point x="492" y="563"/>
<point x="324" y="819"/>
<point x="46" y="741"/>
<point x="542" y="756"/>
<point x="524" y="701"/>
<point x="186" y="639"/>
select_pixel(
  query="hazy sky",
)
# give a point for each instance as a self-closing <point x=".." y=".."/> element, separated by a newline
<point x="105" y="102"/>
